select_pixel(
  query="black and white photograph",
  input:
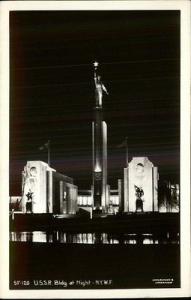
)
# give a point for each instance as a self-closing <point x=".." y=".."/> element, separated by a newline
<point x="94" y="149"/>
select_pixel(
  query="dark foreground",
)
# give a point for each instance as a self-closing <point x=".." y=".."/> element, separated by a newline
<point x="78" y="266"/>
<point x="155" y="223"/>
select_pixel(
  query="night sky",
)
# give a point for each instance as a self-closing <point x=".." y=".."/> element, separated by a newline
<point x="52" y="89"/>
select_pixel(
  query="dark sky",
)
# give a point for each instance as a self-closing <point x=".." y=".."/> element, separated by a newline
<point x="52" y="89"/>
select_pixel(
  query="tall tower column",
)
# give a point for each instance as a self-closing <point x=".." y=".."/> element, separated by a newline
<point x="99" y="144"/>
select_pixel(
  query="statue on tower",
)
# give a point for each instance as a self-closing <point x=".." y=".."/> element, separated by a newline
<point x="99" y="86"/>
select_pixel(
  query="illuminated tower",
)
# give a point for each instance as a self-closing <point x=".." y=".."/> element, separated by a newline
<point x="99" y="142"/>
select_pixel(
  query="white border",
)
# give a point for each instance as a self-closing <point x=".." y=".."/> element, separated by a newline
<point x="184" y="6"/>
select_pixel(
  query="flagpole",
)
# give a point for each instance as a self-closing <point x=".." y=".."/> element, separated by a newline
<point x="48" y="148"/>
<point x="127" y="154"/>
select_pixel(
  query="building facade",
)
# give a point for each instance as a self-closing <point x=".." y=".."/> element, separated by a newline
<point x="140" y="186"/>
<point x="46" y="191"/>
